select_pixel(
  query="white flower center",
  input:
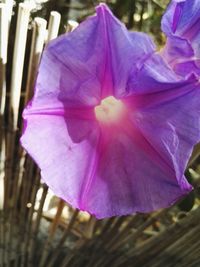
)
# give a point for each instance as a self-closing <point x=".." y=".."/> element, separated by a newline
<point x="110" y="110"/>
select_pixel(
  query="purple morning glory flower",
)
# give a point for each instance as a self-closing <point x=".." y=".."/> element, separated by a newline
<point x="111" y="125"/>
<point x="181" y="23"/>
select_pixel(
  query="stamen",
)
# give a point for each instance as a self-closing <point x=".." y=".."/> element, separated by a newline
<point x="110" y="110"/>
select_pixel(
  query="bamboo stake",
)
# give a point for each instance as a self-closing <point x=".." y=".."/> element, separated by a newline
<point x="39" y="30"/>
<point x="89" y="231"/>
<point x="38" y="39"/>
<point x="140" y="229"/>
<point x="16" y="213"/>
<point x="181" y="246"/>
<point x="2" y="171"/>
<point x="22" y="197"/>
<point x="18" y="59"/>
<point x="36" y="50"/>
<point x="53" y="227"/>
<point x="180" y="253"/>
<point x="89" y="234"/>
<point x="16" y="80"/>
<point x="28" y="226"/>
<point x="1" y="239"/>
<point x="53" y="27"/>
<point x="115" y="228"/>
<point x="36" y="228"/>
<point x="67" y="259"/>
<point x="140" y="254"/>
<point x="122" y="234"/>
<point x="71" y="25"/>
<point x="104" y="239"/>
<point x="65" y="235"/>
<point x="9" y="8"/>
<point x="107" y="224"/>
<point x="3" y="55"/>
<point x="192" y="257"/>
<point x="39" y="34"/>
<point x="3" y="60"/>
<point x="129" y="237"/>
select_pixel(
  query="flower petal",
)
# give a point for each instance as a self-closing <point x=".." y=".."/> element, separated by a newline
<point x="90" y="63"/>
<point x="185" y="67"/>
<point x="181" y="21"/>
<point x="131" y="177"/>
<point x="177" y="49"/>
<point x="142" y="166"/>
<point x="65" y="151"/>
<point x="156" y="76"/>
<point x="170" y="107"/>
<point x="177" y="127"/>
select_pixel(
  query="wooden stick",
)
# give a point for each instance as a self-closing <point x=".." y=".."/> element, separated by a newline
<point x="16" y="80"/>
<point x="66" y="262"/>
<point x="22" y="197"/>
<point x="151" y="219"/>
<point x="177" y="248"/>
<point x="149" y="249"/>
<point x="65" y="235"/>
<point x="53" y="227"/>
<point x="3" y="60"/>
<point x="2" y="218"/>
<point x="18" y="60"/>
<point x="127" y="238"/>
<point x="9" y="8"/>
<point x="89" y="231"/>
<point x="122" y="234"/>
<point x="54" y="24"/>
<point x="38" y="39"/>
<point x="28" y="227"/>
<point x="71" y="25"/>
<point x="36" y="228"/>
<point x="3" y="55"/>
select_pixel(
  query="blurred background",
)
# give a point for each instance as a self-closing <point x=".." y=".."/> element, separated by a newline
<point x="39" y="229"/>
<point x="140" y="15"/>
